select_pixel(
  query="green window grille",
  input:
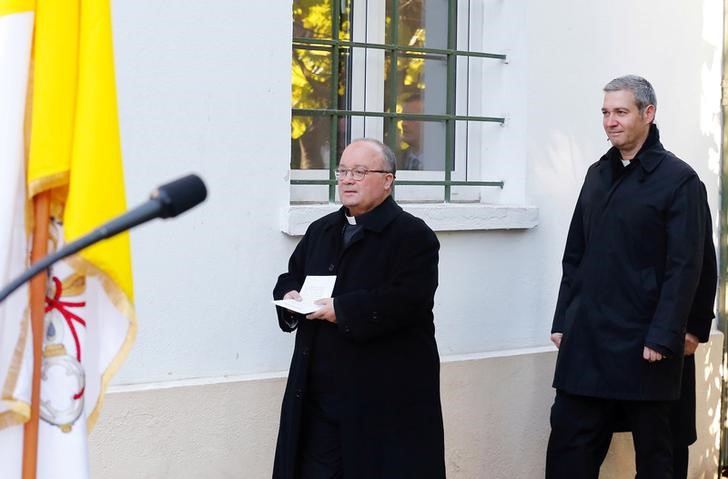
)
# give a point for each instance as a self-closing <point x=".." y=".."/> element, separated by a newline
<point x="326" y="60"/>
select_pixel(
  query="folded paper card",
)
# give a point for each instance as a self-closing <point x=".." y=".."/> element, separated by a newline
<point x="314" y="287"/>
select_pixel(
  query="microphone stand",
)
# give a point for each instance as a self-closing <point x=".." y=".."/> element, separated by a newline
<point x="145" y="212"/>
<point x="167" y="201"/>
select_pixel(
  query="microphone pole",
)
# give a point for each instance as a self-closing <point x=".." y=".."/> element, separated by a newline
<point x="167" y="201"/>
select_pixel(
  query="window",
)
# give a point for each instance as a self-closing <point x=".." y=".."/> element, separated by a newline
<point x="412" y="73"/>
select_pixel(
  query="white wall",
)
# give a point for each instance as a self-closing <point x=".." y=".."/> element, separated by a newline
<point x="205" y="87"/>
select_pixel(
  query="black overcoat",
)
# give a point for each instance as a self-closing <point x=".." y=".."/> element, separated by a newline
<point x="699" y="323"/>
<point x="631" y="266"/>
<point x="387" y="364"/>
<point x="682" y="412"/>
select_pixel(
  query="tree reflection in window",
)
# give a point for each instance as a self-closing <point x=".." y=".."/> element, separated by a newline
<point x="313" y="80"/>
<point x="321" y="80"/>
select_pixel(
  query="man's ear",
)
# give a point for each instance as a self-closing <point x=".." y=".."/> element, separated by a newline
<point x="388" y="182"/>
<point x="649" y="113"/>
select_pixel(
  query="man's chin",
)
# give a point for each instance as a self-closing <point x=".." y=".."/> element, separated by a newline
<point x="614" y="142"/>
<point x="614" y="137"/>
<point x="349" y="204"/>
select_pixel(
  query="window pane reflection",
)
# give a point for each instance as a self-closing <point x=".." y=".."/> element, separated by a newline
<point x="314" y="19"/>
<point x="311" y="78"/>
<point x="313" y="88"/>
<point x="419" y="23"/>
<point x="312" y="149"/>
<point x="310" y="142"/>
<point x="418" y="75"/>
<point x="418" y="145"/>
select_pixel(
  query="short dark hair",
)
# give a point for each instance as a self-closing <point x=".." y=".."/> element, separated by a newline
<point x="642" y="90"/>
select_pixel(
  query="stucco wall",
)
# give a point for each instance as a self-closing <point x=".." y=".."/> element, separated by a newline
<point x="496" y="410"/>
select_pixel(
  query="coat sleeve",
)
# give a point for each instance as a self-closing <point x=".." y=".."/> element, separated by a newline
<point x="685" y="227"/>
<point x="573" y="253"/>
<point x="403" y="300"/>
<point x="701" y="313"/>
<point x="291" y="280"/>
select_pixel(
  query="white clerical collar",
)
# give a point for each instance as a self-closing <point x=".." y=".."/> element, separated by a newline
<point x="351" y="219"/>
<point x="625" y="162"/>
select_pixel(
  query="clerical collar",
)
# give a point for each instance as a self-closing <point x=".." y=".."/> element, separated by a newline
<point x="351" y="219"/>
<point x="625" y="162"/>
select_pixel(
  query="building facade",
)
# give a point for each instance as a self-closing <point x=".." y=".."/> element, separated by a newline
<point x="206" y="87"/>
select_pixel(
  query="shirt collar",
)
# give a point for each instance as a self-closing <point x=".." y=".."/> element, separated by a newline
<point x="645" y="157"/>
<point x="378" y="218"/>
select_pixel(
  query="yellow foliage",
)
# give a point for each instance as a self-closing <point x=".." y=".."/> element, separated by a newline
<point x="299" y="125"/>
<point x="318" y="20"/>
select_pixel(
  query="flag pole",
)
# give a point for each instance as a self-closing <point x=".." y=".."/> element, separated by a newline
<point x="41" y="213"/>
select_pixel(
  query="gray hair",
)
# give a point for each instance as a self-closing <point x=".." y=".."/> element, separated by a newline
<point x="390" y="161"/>
<point x="642" y="90"/>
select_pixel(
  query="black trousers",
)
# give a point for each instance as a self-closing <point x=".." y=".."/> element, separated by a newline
<point x="680" y="456"/>
<point x="581" y="430"/>
<point x="680" y="462"/>
<point x="320" y="454"/>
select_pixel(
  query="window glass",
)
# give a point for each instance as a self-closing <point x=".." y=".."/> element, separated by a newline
<point x="422" y="76"/>
<point x="313" y="88"/>
<point x="418" y="23"/>
<point x="314" y="19"/>
<point x="400" y="83"/>
<point x="418" y="145"/>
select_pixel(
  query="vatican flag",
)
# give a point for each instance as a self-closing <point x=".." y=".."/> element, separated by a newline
<point x="59" y="133"/>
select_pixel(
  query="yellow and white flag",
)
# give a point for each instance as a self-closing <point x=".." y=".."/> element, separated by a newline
<point x="59" y="133"/>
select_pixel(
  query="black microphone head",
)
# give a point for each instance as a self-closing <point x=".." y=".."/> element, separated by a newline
<point x="180" y="195"/>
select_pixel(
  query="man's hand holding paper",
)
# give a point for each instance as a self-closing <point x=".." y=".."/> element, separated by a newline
<point x="314" y="288"/>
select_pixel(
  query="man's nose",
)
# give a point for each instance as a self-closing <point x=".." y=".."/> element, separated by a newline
<point x="348" y="178"/>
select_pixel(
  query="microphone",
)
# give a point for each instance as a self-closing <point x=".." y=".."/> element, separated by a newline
<point x="179" y="195"/>
<point x="167" y="201"/>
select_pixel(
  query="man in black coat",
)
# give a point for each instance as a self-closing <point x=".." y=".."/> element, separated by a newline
<point x="682" y="411"/>
<point x="363" y="392"/>
<point x="631" y="267"/>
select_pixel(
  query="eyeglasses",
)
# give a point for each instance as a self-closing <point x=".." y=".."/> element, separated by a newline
<point x="357" y="174"/>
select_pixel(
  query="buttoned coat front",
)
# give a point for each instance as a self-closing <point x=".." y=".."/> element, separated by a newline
<point x="387" y="364"/>
<point x="682" y="411"/>
<point x="631" y="266"/>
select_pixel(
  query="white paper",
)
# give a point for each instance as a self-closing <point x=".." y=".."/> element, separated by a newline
<point x="314" y="287"/>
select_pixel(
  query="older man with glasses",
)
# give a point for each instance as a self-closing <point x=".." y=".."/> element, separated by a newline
<point x="363" y="392"/>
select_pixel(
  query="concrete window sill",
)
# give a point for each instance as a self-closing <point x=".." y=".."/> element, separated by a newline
<point x="440" y="217"/>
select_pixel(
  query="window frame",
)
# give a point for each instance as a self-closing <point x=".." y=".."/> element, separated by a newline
<point x="450" y="118"/>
